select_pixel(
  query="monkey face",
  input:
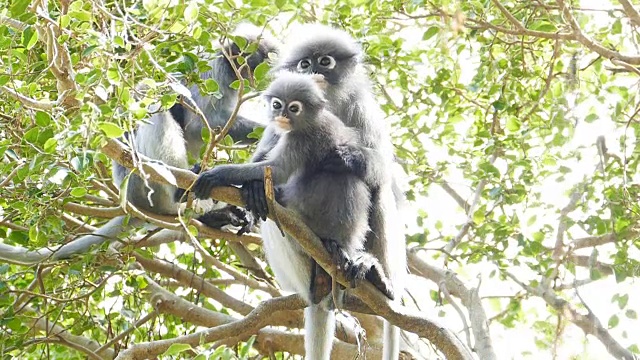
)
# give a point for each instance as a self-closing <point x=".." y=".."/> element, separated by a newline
<point x="334" y="67"/>
<point x="295" y="101"/>
<point x="287" y="116"/>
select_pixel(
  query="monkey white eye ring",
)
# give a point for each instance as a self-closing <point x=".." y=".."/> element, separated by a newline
<point x="276" y="104"/>
<point x="295" y="107"/>
<point x="327" y="61"/>
<point x="304" y="64"/>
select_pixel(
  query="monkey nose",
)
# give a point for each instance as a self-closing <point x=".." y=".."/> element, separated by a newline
<point x="283" y="122"/>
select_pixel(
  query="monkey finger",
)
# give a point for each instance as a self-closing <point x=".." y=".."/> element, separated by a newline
<point x="260" y="198"/>
<point x="247" y="196"/>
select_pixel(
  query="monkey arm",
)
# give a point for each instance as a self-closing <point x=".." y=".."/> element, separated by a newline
<point x="364" y="162"/>
<point x="236" y="174"/>
<point x="268" y="141"/>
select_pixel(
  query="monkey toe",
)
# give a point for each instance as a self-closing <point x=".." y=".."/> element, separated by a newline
<point x="260" y="199"/>
<point x="340" y="257"/>
<point x="365" y="266"/>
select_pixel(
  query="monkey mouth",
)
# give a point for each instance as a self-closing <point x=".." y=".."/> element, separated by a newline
<point x="283" y="123"/>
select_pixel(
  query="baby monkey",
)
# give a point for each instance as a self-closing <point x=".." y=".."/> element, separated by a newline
<point x="335" y="205"/>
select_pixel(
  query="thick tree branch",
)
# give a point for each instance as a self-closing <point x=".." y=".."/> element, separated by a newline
<point x="631" y="12"/>
<point x="80" y="343"/>
<point x="224" y="327"/>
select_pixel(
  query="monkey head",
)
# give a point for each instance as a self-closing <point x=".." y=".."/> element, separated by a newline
<point x="294" y="101"/>
<point x="321" y="49"/>
<point x="259" y="40"/>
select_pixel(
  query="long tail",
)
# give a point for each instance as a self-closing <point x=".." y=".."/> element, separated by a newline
<point x="391" y="341"/>
<point x="319" y="325"/>
<point x="107" y="232"/>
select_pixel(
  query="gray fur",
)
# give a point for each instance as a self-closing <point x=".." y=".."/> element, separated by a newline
<point x="350" y="97"/>
<point x="334" y="205"/>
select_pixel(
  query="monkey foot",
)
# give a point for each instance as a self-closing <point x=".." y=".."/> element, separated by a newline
<point x="229" y="215"/>
<point x="362" y="266"/>
<point x="320" y="283"/>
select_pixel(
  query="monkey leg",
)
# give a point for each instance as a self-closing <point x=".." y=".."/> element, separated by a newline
<point x="367" y="265"/>
<point x="362" y="266"/>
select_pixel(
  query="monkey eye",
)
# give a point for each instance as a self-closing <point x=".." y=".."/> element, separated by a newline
<point x="295" y="107"/>
<point x="327" y="61"/>
<point x="276" y="104"/>
<point x="304" y="64"/>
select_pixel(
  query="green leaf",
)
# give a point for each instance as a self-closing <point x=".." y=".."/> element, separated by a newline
<point x="191" y="12"/>
<point x="111" y="130"/>
<point x="43" y="119"/>
<point x="211" y="85"/>
<point x="513" y="124"/>
<point x="176" y="349"/>
<point x="78" y="192"/>
<point x="430" y="33"/>
<point x="50" y="145"/>
<point x="29" y="37"/>
<point x="613" y="321"/>
<point x="261" y="71"/>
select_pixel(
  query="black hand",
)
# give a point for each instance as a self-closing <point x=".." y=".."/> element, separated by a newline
<point x="345" y="159"/>
<point x="255" y="198"/>
<point x="206" y="182"/>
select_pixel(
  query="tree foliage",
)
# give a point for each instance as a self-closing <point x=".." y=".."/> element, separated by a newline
<point x="517" y="122"/>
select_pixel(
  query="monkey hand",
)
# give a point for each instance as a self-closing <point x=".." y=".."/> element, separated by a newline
<point x="255" y="198"/>
<point x="345" y="159"/>
<point x="320" y="81"/>
<point x="207" y="181"/>
<point x="178" y="196"/>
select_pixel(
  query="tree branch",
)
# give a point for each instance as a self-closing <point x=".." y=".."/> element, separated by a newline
<point x="588" y="323"/>
<point x="591" y="44"/>
<point x="631" y="12"/>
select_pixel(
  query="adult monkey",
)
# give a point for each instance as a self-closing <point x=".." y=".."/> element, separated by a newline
<point x="164" y="139"/>
<point x="170" y="135"/>
<point x="336" y="56"/>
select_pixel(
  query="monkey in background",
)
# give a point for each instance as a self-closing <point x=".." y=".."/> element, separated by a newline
<point x="336" y="56"/>
<point x="164" y="139"/>
<point x="334" y="205"/>
<point x="171" y="135"/>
